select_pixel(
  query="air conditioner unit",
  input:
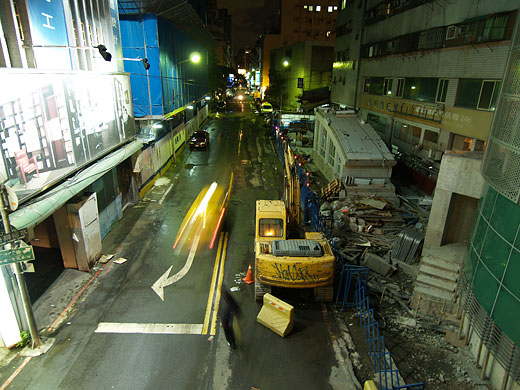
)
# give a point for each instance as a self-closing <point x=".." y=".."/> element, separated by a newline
<point x="451" y="32"/>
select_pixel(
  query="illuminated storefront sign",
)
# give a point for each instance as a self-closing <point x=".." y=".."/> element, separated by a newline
<point x="257" y="77"/>
<point x="52" y="124"/>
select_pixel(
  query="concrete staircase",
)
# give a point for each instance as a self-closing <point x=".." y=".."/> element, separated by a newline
<point x="436" y="283"/>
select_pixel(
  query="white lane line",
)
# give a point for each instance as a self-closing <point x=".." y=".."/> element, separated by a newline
<point x="166" y="193"/>
<point x="148" y="328"/>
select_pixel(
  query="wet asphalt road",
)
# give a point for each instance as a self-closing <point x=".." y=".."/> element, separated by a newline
<point x="308" y="358"/>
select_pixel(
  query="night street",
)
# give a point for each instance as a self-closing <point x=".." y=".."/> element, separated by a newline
<point x="186" y="356"/>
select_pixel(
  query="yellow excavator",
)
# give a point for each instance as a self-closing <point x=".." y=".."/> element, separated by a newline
<point x="291" y="263"/>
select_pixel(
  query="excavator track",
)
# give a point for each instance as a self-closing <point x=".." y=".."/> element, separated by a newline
<point x="261" y="289"/>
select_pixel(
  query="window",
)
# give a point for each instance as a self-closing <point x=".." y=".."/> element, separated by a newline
<point x="415" y="135"/>
<point x="378" y="123"/>
<point x="430" y="139"/>
<point x="323" y="143"/>
<point x="318" y="8"/>
<point x="328" y="34"/>
<point x="366" y="86"/>
<point x="442" y="90"/>
<point x="489" y="95"/>
<point x="476" y="93"/>
<point x="407" y="133"/>
<point x="376" y="85"/>
<point x="459" y="142"/>
<point x="270" y="227"/>
<point x="332" y="153"/>
<point x="329" y="8"/>
<point x="337" y="167"/>
<point x="305" y="6"/>
<point x="495" y="27"/>
<point x="468" y="93"/>
<point x="387" y="86"/>
<point x="400" y="87"/>
<point x="311" y="8"/>
<point x="422" y="89"/>
<point x="335" y="8"/>
<point x="400" y="131"/>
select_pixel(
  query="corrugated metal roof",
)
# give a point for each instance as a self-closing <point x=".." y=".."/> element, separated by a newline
<point x="179" y="13"/>
<point x="358" y="140"/>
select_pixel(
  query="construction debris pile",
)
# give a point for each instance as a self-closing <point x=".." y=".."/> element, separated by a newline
<point x="387" y="238"/>
<point x="374" y="232"/>
<point x="371" y="224"/>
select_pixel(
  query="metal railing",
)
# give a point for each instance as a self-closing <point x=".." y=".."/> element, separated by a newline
<point x="352" y="292"/>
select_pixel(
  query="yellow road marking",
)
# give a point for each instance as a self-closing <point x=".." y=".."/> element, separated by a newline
<point x="212" y="290"/>
<point x="220" y="277"/>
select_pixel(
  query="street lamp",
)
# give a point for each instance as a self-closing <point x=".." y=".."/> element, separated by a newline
<point x="194" y="57"/>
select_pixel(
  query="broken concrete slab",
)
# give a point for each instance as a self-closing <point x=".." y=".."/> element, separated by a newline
<point x="378" y="264"/>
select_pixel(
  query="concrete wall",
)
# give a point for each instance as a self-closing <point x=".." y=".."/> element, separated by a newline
<point x="459" y="173"/>
<point x="432" y="14"/>
<point x="484" y="61"/>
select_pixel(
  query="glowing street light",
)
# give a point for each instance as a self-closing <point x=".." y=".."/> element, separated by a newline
<point x="195" y="57"/>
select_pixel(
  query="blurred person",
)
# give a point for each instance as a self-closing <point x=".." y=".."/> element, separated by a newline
<point x="228" y="316"/>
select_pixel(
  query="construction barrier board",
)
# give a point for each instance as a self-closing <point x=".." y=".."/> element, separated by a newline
<point x="276" y="315"/>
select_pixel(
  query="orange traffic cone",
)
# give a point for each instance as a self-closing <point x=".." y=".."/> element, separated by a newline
<point x="249" y="276"/>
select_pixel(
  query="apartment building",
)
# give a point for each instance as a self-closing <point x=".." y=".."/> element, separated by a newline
<point x="301" y="20"/>
<point x="425" y="75"/>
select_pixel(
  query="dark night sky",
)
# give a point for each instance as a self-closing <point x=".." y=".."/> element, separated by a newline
<point x="247" y="18"/>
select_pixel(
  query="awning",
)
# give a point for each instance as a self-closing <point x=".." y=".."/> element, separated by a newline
<point x="41" y="208"/>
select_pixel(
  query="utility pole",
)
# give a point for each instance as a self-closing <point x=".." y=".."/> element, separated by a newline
<point x="35" y="336"/>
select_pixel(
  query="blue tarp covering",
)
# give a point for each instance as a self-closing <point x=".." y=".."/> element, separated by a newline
<point x="173" y="82"/>
<point x="139" y="39"/>
<point x="183" y="81"/>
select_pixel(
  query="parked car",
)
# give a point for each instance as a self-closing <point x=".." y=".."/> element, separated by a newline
<point x="199" y="140"/>
<point x="266" y="108"/>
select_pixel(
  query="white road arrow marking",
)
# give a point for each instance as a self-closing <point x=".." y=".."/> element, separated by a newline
<point x="164" y="280"/>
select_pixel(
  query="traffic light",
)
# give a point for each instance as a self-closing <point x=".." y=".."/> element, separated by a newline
<point x="104" y="53"/>
<point x="146" y="63"/>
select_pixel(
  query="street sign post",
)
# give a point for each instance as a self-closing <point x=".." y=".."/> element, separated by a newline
<point x="14" y="255"/>
<point x="13" y="236"/>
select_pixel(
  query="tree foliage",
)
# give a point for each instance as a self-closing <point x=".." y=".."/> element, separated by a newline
<point x="276" y="85"/>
